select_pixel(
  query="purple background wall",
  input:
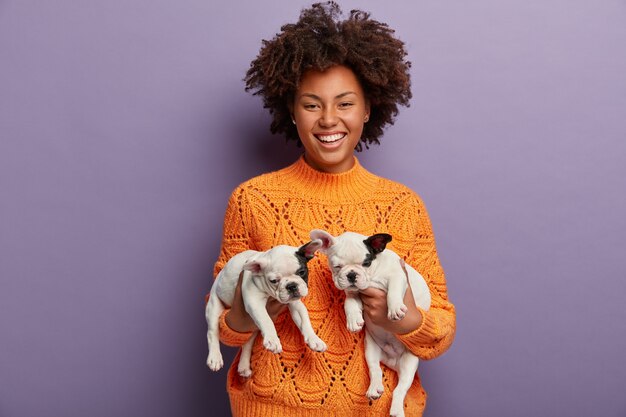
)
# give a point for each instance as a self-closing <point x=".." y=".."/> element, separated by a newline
<point x="124" y="126"/>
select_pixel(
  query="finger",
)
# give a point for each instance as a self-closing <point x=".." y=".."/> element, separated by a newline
<point x="237" y="317"/>
<point x="372" y="292"/>
<point x="275" y="308"/>
<point x="238" y="288"/>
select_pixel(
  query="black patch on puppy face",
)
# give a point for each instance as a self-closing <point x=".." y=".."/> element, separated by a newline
<point x="375" y="244"/>
<point x="368" y="259"/>
<point x="304" y="254"/>
<point x="303" y="270"/>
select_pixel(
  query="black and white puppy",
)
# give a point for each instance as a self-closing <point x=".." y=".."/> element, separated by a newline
<point x="280" y="273"/>
<point x="360" y="262"/>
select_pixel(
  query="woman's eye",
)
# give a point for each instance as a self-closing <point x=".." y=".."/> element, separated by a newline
<point x="345" y="105"/>
<point x="310" y="106"/>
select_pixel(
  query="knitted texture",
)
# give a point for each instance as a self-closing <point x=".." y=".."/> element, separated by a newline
<point x="281" y="208"/>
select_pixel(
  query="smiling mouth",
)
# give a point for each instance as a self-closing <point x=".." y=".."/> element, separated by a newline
<point x="335" y="137"/>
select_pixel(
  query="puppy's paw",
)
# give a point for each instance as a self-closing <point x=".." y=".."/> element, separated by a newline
<point x="355" y="323"/>
<point x="315" y="343"/>
<point x="214" y="361"/>
<point x="396" y="312"/>
<point x="244" y="371"/>
<point x="375" y="390"/>
<point x="272" y="343"/>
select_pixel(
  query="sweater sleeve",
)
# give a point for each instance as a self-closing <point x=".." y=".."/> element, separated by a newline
<point x="436" y="333"/>
<point x="235" y="239"/>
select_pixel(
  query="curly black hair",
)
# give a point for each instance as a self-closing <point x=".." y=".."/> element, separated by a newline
<point x="319" y="40"/>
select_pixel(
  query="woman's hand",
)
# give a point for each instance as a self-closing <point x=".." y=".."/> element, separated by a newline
<point x="375" y="306"/>
<point x="238" y="319"/>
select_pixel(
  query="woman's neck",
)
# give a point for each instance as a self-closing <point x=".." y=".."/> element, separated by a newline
<point x="342" y="166"/>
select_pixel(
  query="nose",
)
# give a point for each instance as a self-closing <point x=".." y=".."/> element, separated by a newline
<point x="328" y="117"/>
<point x="351" y="277"/>
<point x="292" y="287"/>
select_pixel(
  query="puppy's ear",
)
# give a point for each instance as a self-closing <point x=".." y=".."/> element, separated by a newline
<point x="327" y="239"/>
<point x="307" y="251"/>
<point x="378" y="242"/>
<point x="255" y="265"/>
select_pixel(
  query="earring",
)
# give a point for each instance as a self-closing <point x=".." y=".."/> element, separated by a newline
<point x="293" y="121"/>
<point x="367" y="118"/>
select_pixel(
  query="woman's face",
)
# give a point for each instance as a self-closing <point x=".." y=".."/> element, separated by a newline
<point x="330" y="109"/>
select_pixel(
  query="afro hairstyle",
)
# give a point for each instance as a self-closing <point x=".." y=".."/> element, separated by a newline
<point x="319" y="40"/>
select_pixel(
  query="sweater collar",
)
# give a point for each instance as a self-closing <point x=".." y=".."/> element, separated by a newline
<point x="356" y="184"/>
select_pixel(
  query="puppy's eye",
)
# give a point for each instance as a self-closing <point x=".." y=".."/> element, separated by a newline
<point x="337" y="267"/>
<point x="368" y="260"/>
<point x="301" y="272"/>
<point x="273" y="281"/>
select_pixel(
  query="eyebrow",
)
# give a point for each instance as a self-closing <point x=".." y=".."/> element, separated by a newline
<point x="315" y="97"/>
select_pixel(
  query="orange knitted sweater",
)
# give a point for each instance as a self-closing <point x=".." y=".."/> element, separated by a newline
<point x="281" y="208"/>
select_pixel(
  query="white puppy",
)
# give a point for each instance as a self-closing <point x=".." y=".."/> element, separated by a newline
<point x="360" y="262"/>
<point x="280" y="273"/>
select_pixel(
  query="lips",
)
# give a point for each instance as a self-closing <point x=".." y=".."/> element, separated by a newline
<point x="329" y="138"/>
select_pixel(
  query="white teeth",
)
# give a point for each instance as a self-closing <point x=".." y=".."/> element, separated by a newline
<point x="331" y="138"/>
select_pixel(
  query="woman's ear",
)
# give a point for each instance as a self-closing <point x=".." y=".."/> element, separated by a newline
<point x="290" y="107"/>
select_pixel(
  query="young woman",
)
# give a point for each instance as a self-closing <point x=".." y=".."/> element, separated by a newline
<point x="332" y="85"/>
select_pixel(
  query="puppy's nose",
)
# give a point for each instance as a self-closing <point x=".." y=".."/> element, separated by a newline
<point x="351" y="277"/>
<point x="292" y="287"/>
